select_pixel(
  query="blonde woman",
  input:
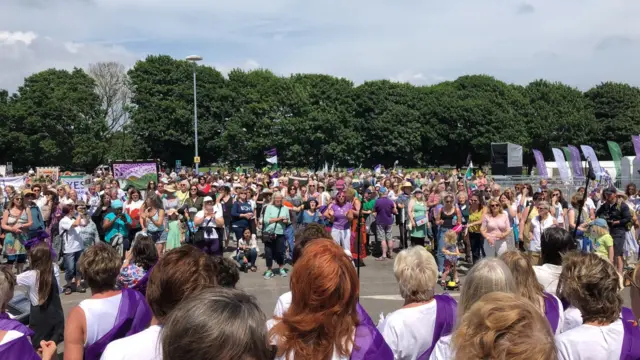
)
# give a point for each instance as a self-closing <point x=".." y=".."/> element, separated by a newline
<point x="529" y="288"/>
<point x="487" y="276"/>
<point x="495" y="229"/>
<point x="414" y="328"/>
<point x="592" y="284"/>
<point x="539" y="224"/>
<point x="504" y="326"/>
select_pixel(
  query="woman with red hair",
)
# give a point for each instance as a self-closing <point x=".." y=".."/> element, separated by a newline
<point x="323" y="321"/>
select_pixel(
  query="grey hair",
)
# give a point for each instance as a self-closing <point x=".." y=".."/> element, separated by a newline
<point x="220" y="323"/>
<point x="7" y="285"/>
<point x="487" y="276"/>
<point x="416" y="272"/>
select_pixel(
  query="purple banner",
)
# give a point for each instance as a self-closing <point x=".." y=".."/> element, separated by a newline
<point x="576" y="160"/>
<point x="636" y="144"/>
<point x="136" y="174"/>
<point x="540" y="165"/>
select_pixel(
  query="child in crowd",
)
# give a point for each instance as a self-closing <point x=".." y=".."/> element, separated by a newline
<point x="247" y="251"/>
<point x="598" y="232"/>
<point x="451" y="253"/>
<point x="174" y="234"/>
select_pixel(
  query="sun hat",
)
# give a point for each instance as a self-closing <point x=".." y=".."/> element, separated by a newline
<point x="382" y="190"/>
<point x="599" y="222"/>
<point x="407" y="184"/>
<point x="170" y="188"/>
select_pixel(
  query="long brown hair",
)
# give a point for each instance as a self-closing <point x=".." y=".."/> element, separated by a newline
<point x="322" y="316"/>
<point x="41" y="261"/>
<point x="525" y="277"/>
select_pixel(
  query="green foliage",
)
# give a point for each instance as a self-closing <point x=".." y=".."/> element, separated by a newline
<point x="56" y="118"/>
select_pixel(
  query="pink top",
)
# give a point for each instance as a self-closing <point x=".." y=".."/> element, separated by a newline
<point x="496" y="226"/>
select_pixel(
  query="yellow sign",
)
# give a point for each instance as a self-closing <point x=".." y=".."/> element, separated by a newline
<point x="196" y="159"/>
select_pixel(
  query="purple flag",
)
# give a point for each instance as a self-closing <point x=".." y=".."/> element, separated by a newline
<point x="540" y="165"/>
<point x="576" y="161"/>
<point x="271" y="152"/>
<point x="636" y="144"/>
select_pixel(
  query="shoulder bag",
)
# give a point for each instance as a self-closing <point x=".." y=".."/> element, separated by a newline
<point x="268" y="237"/>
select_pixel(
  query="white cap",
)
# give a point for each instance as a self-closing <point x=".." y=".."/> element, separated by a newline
<point x="207" y="198"/>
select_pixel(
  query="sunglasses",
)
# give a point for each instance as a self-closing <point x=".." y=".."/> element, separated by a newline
<point x="495" y="205"/>
<point x="556" y="194"/>
<point x="448" y="202"/>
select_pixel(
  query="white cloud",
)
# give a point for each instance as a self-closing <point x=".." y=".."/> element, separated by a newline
<point x="580" y="42"/>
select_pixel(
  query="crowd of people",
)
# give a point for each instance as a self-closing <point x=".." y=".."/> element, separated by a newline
<point x="153" y="261"/>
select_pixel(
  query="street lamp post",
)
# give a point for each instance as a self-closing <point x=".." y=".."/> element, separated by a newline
<point x="194" y="59"/>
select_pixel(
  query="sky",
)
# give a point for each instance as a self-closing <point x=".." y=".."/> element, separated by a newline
<point x="578" y="42"/>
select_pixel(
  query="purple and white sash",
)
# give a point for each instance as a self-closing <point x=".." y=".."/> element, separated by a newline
<point x="369" y="343"/>
<point x="134" y="315"/>
<point x="19" y="348"/>
<point x="141" y="285"/>
<point x="631" y="338"/>
<point x="551" y="311"/>
<point x="446" y="308"/>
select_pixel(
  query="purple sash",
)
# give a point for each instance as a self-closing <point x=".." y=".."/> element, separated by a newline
<point x="134" y="315"/>
<point x="446" y="308"/>
<point x="631" y="338"/>
<point x="6" y="324"/>
<point x="551" y="311"/>
<point x="19" y="348"/>
<point x="368" y="342"/>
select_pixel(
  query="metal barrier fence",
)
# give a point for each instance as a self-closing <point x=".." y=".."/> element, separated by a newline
<point x="568" y="188"/>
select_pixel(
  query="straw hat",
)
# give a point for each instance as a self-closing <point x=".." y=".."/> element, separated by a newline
<point x="170" y="188"/>
<point x="407" y="184"/>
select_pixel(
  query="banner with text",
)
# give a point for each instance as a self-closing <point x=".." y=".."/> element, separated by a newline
<point x="53" y="172"/>
<point x="540" y="165"/>
<point x="136" y="174"/>
<point x="16" y="181"/>
<point x="589" y="154"/>
<point x="563" y="170"/>
<point x="576" y="161"/>
<point x="76" y="183"/>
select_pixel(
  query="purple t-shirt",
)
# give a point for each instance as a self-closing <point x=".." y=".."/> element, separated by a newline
<point x="384" y="211"/>
<point x="340" y="221"/>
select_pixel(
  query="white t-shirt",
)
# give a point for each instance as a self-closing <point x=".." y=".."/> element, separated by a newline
<point x="291" y="356"/>
<point x="442" y="350"/>
<point x="144" y="345"/>
<point x="588" y="342"/>
<point x="590" y="204"/>
<point x="409" y="331"/>
<point x="72" y="240"/>
<point x="547" y="276"/>
<point x="284" y="301"/>
<point x="100" y="315"/>
<point x="217" y="214"/>
<point x="538" y="228"/>
<point x="572" y="318"/>
<point x="28" y="279"/>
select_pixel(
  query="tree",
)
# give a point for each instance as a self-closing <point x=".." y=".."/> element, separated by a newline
<point x="616" y="108"/>
<point x="112" y="86"/>
<point x="162" y="121"/>
<point x="59" y="121"/>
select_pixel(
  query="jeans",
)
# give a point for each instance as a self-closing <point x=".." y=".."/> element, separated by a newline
<point x="274" y="250"/>
<point x="71" y="269"/>
<point x="289" y="235"/>
<point x="440" y="245"/>
<point x="251" y="255"/>
<point x="342" y="238"/>
<point x="477" y="246"/>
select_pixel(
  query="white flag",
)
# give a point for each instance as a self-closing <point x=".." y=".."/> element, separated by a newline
<point x="273" y="160"/>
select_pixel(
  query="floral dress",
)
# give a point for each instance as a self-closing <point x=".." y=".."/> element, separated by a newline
<point x="14" y="243"/>
<point x="129" y="276"/>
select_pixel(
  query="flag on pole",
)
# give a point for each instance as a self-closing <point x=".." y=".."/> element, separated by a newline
<point x="377" y="169"/>
<point x="272" y="156"/>
<point x="469" y="173"/>
<point x="616" y="155"/>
